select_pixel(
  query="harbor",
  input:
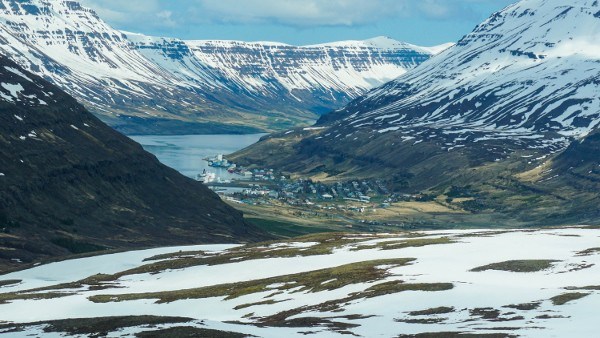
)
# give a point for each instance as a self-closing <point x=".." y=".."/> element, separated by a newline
<point x="186" y="153"/>
<point x="234" y="173"/>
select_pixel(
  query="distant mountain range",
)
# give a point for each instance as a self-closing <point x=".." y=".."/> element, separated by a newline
<point x="71" y="184"/>
<point x="141" y="84"/>
<point x="491" y="115"/>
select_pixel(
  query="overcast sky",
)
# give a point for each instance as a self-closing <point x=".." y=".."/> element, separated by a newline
<point x="423" y="22"/>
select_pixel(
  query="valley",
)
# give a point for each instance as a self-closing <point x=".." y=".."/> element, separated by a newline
<point x="287" y="206"/>
<point x="525" y="189"/>
<point x="144" y="85"/>
<point x="496" y="117"/>
<point x="175" y="187"/>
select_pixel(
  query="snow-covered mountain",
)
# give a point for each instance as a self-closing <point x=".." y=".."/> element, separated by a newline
<point x="530" y="73"/>
<point x="492" y="114"/>
<point x="347" y="67"/>
<point x="119" y="75"/>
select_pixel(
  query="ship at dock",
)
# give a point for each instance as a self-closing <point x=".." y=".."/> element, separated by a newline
<point x="220" y="162"/>
<point x="206" y="177"/>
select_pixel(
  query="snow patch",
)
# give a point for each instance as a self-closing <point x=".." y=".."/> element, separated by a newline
<point x="13" y="89"/>
<point x="18" y="72"/>
<point x="388" y="129"/>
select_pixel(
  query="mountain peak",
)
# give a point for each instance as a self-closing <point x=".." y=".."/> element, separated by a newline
<point x="489" y="115"/>
<point x="136" y="81"/>
<point x="59" y="163"/>
<point x="384" y="42"/>
<point x="527" y="73"/>
<point x="526" y="77"/>
<point x="541" y="26"/>
<point x="43" y="7"/>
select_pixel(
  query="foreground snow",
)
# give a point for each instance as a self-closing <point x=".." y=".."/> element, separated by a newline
<point x="478" y="302"/>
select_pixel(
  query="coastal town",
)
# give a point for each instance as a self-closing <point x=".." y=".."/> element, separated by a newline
<point x="351" y="201"/>
<point x="257" y="183"/>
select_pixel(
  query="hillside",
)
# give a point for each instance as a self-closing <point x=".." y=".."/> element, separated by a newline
<point x="487" y="115"/>
<point x="441" y="284"/>
<point x="150" y="85"/>
<point x="71" y="184"/>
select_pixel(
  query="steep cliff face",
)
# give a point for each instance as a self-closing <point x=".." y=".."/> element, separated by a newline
<point x="347" y="68"/>
<point x="71" y="184"/>
<point x="142" y="84"/>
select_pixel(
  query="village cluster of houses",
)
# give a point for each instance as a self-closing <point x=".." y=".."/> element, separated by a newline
<point x="309" y="193"/>
<point x="322" y="199"/>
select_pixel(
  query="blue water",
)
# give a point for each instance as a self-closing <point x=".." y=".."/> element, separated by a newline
<point x="185" y="153"/>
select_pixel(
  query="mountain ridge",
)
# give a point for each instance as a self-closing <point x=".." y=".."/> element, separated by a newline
<point x="135" y="81"/>
<point x="492" y="113"/>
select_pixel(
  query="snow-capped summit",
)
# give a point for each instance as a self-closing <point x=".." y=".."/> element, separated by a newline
<point x="528" y="73"/>
<point x="347" y="67"/>
<point x="120" y="75"/>
<point x="384" y="43"/>
<point x="504" y="125"/>
<point x="520" y="88"/>
<point x="72" y="47"/>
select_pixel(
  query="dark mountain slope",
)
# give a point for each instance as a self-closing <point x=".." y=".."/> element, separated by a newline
<point x="577" y="171"/>
<point x="583" y="155"/>
<point x="69" y="183"/>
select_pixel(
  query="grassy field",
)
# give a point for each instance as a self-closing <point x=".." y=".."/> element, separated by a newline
<point x="286" y="221"/>
<point x="285" y="229"/>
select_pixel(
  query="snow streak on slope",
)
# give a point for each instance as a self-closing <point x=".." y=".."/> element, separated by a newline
<point x="346" y="67"/>
<point x="163" y="77"/>
<point x="533" y="283"/>
<point x="529" y="73"/>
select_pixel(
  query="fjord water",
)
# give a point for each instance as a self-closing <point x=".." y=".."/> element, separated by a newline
<point x="185" y="153"/>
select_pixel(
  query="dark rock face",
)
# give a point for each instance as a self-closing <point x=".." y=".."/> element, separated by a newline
<point x="577" y="170"/>
<point x="583" y="154"/>
<point x="71" y="184"/>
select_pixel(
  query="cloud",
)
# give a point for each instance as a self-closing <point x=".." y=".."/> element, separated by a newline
<point x="336" y="12"/>
<point x="292" y="13"/>
<point x="123" y="12"/>
<point x="166" y="18"/>
<point x="303" y="12"/>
